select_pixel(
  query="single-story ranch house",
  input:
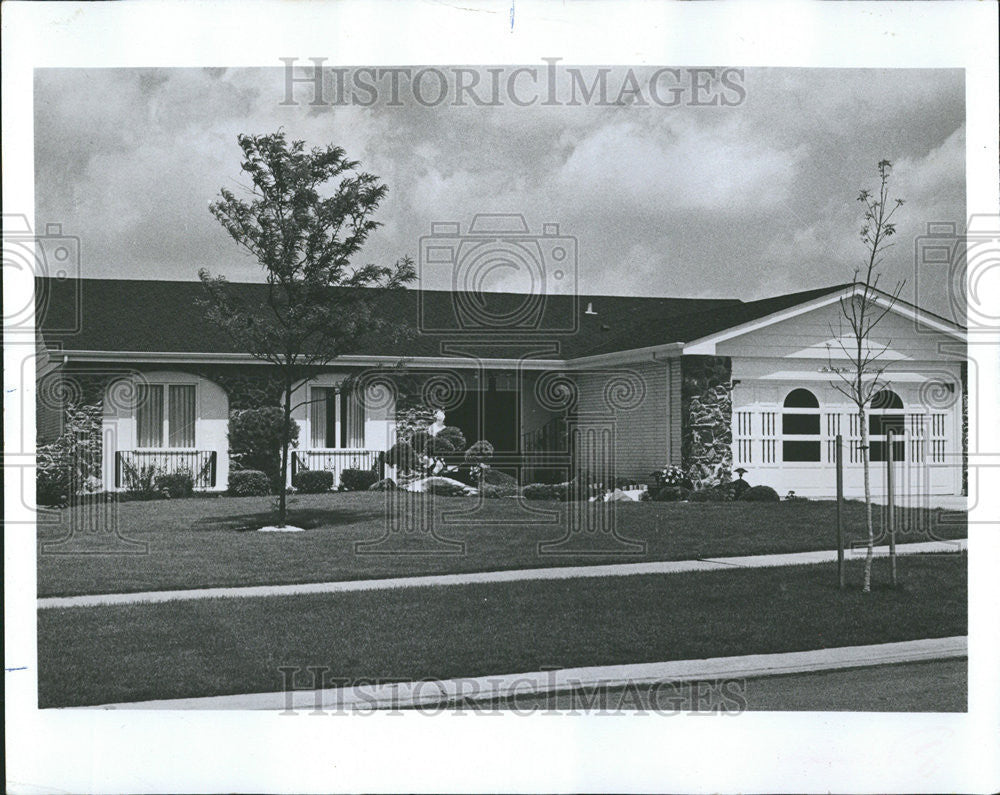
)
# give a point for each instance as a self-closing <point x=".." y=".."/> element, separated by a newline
<point x="570" y="381"/>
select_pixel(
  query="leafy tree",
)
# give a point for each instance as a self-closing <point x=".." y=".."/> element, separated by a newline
<point x="305" y="218"/>
<point x="862" y="311"/>
<point x="256" y="439"/>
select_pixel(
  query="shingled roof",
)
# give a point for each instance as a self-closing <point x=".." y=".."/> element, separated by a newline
<point x="147" y="316"/>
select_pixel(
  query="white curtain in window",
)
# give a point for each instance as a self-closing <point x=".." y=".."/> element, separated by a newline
<point x="149" y="415"/>
<point x="354" y="421"/>
<point x="317" y="416"/>
<point x="181" y="419"/>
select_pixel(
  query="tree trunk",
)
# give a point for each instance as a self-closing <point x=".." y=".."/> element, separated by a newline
<point x="282" y="487"/>
<point x="865" y="460"/>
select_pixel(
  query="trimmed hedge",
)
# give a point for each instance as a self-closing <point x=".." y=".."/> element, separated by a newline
<point x="52" y="486"/>
<point x="739" y="488"/>
<point x="497" y="484"/>
<point x="494" y="477"/>
<point x="358" y="479"/>
<point x="313" y="481"/>
<point x="491" y="492"/>
<point x="249" y="483"/>
<point x="402" y="456"/>
<point x="177" y="484"/>
<point x="708" y="495"/>
<point x="440" y="487"/>
<point x="670" y="494"/>
<point x="479" y="453"/>
<point x="546" y="491"/>
<point x="760" y="494"/>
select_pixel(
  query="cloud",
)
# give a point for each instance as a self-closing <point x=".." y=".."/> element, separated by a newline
<point x="744" y="201"/>
<point x="681" y="167"/>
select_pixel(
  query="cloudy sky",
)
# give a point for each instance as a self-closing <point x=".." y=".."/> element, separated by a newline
<point x="745" y="201"/>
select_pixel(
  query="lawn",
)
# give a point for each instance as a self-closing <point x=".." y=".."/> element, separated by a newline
<point x="223" y="646"/>
<point x="203" y="542"/>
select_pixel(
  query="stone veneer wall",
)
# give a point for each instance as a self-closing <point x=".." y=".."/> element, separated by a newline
<point x="706" y="416"/>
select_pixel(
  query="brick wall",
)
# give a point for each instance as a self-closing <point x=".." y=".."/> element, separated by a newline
<point x="634" y="400"/>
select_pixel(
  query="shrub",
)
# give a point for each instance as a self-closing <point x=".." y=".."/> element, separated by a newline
<point x="480" y="453"/>
<point x="546" y="476"/>
<point x="760" y="494"/>
<point x="358" y="479"/>
<point x="313" y="481"/>
<point x="402" y="456"/>
<point x="386" y="484"/>
<point x="670" y="494"/>
<point x="727" y="490"/>
<point x="249" y="483"/>
<point x="491" y="491"/>
<point x="739" y="488"/>
<point x="442" y="487"/>
<point x="72" y="463"/>
<point x="477" y="475"/>
<point x="497" y="484"/>
<point x="469" y="474"/>
<point x="413" y="419"/>
<point x="51" y="484"/>
<point x="671" y="476"/>
<point x="495" y="477"/>
<point x="448" y="440"/>
<point x="140" y="482"/>
<point x="546" y="491"/>
<point x="255" y="441"/>
<point x="793" y="497"/>
<point x="703" y="476"/>
<point x="175" y="484"/>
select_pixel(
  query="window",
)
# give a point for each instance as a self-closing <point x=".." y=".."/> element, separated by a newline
<point x="165" y="415"/>
<point x="800" y="427"/>
<point x="337" y="420"/>
<point x="886" y="414"/>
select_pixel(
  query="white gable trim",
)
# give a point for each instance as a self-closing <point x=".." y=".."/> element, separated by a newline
<point x="706" y="345"/>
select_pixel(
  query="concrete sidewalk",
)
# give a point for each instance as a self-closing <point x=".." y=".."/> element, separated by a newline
<point x="439" y="694"/>
<point x="514" y="575"/>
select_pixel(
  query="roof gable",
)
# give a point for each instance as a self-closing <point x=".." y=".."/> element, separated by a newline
<point x="758" y="316"/>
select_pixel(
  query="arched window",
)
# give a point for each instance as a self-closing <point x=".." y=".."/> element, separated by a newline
<point x="800" y="427"/>
<point x="886" y="414"/>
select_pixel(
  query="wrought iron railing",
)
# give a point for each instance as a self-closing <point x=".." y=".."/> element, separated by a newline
<point x="548" y="438"/>
<point x="336" y="461"/>
<point x="546" y="452"/>
<point x="133" y="465"/>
